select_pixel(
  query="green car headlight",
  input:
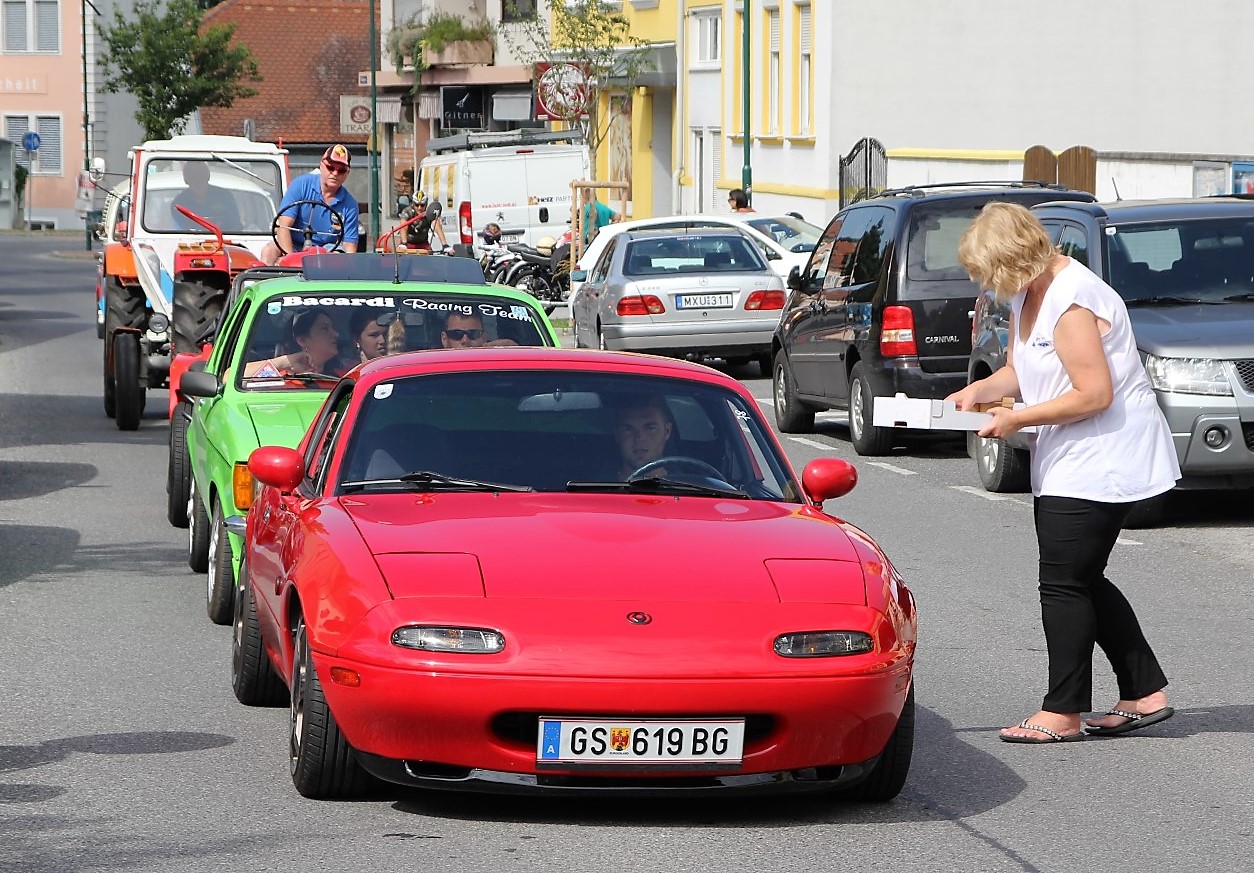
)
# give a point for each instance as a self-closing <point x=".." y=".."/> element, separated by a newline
<point x="1187" y="375"/>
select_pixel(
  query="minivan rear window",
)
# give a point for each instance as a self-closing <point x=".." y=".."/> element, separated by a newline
<point x="932" y="246"/>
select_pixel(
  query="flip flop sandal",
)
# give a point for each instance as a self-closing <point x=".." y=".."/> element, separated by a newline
<point x="1050" y="736"/>
<point x="1135" y="721"/>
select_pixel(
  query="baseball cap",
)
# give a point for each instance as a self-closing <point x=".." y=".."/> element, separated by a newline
<point x="339" y="154"/>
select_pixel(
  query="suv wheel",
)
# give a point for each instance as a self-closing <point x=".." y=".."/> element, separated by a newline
<point x="867" y="438"/>
<point x="791" y="414"/>
<point x="1003" y="468"/>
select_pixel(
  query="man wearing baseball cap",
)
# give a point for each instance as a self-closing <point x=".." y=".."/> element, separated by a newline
<point x="325" y="185"/>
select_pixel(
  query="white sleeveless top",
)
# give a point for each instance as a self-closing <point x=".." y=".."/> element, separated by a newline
<point x="1119" y="455"/>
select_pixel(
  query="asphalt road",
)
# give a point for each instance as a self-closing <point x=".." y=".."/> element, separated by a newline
<point x="122" y="747"/>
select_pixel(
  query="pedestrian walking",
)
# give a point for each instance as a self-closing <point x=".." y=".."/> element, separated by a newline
<point x="1101" y="444"/>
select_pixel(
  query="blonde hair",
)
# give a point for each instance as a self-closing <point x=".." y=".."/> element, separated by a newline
<point x="1005" y="248"/>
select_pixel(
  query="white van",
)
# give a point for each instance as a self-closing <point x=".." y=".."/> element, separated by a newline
<point x="513" y="178"/>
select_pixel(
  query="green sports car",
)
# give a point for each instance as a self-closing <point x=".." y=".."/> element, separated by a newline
<point x="282" y="344"/>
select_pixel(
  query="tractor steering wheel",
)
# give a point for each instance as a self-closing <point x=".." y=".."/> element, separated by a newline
<point x="337" y="220"/>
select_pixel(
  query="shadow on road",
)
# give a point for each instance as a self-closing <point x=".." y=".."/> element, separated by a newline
<point x="22" y="479"/>
<point x="932" y="793"/>
<point x="81" y="420"/>
<point x="15" y="758"/>
<point x="31" y="550"/>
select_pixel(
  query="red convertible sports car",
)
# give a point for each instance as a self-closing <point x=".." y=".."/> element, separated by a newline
<point x="520" y="569"/>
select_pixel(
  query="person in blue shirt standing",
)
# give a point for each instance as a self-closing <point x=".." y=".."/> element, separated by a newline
<point x="326" y="185"/>
<point x="596" y="215"/>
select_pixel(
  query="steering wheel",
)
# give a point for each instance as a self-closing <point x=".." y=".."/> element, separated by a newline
<point x="337" y="220"/>
<point x="694" y="464"/>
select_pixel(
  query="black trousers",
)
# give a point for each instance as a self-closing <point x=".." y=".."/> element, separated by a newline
<point x="1080" y="606"/>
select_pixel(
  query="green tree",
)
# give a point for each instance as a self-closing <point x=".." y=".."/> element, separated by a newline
<point x="171" y="66"/>
<point x="595" y="38"/>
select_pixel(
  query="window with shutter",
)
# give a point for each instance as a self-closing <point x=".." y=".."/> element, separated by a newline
<point x="48" y="158"/>
<point x="47" y="26"/>
<point x="773" y="73"/>
<point x="15" y="26"/>
<point x="805" y="95"/>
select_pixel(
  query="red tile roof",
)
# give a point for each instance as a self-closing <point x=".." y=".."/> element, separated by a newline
<point x="308" y="54"/>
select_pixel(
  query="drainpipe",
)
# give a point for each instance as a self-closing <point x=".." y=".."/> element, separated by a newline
<point x="680" y="120"/>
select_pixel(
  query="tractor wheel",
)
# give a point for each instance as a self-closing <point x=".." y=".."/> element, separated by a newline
<point x="129" y="393"/>
<point x="124" y="307"/>
<point x="196" y="309"/>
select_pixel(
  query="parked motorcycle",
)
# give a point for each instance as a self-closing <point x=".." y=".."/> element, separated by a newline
<point x="539" y="271"/>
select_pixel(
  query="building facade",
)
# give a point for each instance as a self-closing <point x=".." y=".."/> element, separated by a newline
<point x="50" y="85"/>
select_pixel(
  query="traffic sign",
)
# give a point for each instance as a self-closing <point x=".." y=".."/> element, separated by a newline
<point x="30" y="141"/>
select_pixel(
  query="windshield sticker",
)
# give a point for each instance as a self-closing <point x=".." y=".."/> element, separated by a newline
<point x="1111" y="230"/>
<point x="267" y="371"/>
<point x="274" y="307"/>
<point x="377" y="302"/>
<point x="383" y="392"/>
<point x="515" y="312"/>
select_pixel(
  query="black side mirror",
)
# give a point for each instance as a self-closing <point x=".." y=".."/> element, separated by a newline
<point x="794" y="279"/>
<point x="198" y="383"/>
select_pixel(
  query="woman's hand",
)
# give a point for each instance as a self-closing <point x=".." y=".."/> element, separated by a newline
<point x="966" y="399"/>
<point x="297" y="362"/>
<point x="1004" y="423"/>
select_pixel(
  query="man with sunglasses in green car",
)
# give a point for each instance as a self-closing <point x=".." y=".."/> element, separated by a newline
<point x="466" y="332"/>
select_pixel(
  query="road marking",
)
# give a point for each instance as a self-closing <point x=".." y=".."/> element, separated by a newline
<point x="814" y="444"/>
<point x="765" y="401"/>
<point x="980" y="492"/>
<point x="892" y="469"/>
<point x="1128" y="542"/>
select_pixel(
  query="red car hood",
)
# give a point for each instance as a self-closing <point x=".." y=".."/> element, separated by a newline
<point x="588" y="546"/>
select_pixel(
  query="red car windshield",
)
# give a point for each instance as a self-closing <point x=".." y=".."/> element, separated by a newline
<point x="563" y="431"/>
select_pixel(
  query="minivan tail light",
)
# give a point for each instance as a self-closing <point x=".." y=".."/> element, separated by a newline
<point x="465" y="225"/>
<point x="640" y="304"/>
<point x="765" y="300"/>
<point x="897" y="333"/>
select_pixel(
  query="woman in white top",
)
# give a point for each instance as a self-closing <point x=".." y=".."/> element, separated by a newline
<point x="1101" y="445"/>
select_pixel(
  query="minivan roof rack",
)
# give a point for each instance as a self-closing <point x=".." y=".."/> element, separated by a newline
<point x="488" y="138"/>
<point x="919" y="190"/>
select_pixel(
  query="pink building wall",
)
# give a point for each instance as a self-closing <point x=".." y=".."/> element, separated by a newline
<point x="44" y="83"/>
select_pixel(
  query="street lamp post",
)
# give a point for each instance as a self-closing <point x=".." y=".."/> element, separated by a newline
<point x="373" y="143"/>
<point x="746" y="170"/>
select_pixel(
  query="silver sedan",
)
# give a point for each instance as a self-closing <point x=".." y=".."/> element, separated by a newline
<point x="704" y="293"/>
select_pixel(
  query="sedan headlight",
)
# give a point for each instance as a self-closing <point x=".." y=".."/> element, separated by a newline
<point x="823" y="644"/>
<point x="1187" y="375"/>
<point x="470" y="640"/>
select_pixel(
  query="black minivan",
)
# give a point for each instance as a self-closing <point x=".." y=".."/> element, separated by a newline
<point x="883" y="306"/>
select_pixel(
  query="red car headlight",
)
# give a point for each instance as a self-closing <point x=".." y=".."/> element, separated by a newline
<point x="469" y="640"/>
<point x="823" y="644"/>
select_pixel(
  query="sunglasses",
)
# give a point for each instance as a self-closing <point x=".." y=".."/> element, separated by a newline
<point x="457" y="334"/>
<point x="338" y="169"/>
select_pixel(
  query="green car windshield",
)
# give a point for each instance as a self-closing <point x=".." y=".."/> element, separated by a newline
<point x="298" y="341"/>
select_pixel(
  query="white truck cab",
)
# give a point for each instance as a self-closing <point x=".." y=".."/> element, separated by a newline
<point x="519" y="179"/>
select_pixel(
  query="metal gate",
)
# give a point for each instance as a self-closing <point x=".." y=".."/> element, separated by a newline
<point x="864" y="171"/>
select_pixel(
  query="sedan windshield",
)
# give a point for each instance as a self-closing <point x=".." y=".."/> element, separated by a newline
<point x="1184" y="262"/>
<point x="563" y="432"/>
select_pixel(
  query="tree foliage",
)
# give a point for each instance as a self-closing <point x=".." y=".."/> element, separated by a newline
<point x="171" y="66"/>
<point x="596" y="38"/>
